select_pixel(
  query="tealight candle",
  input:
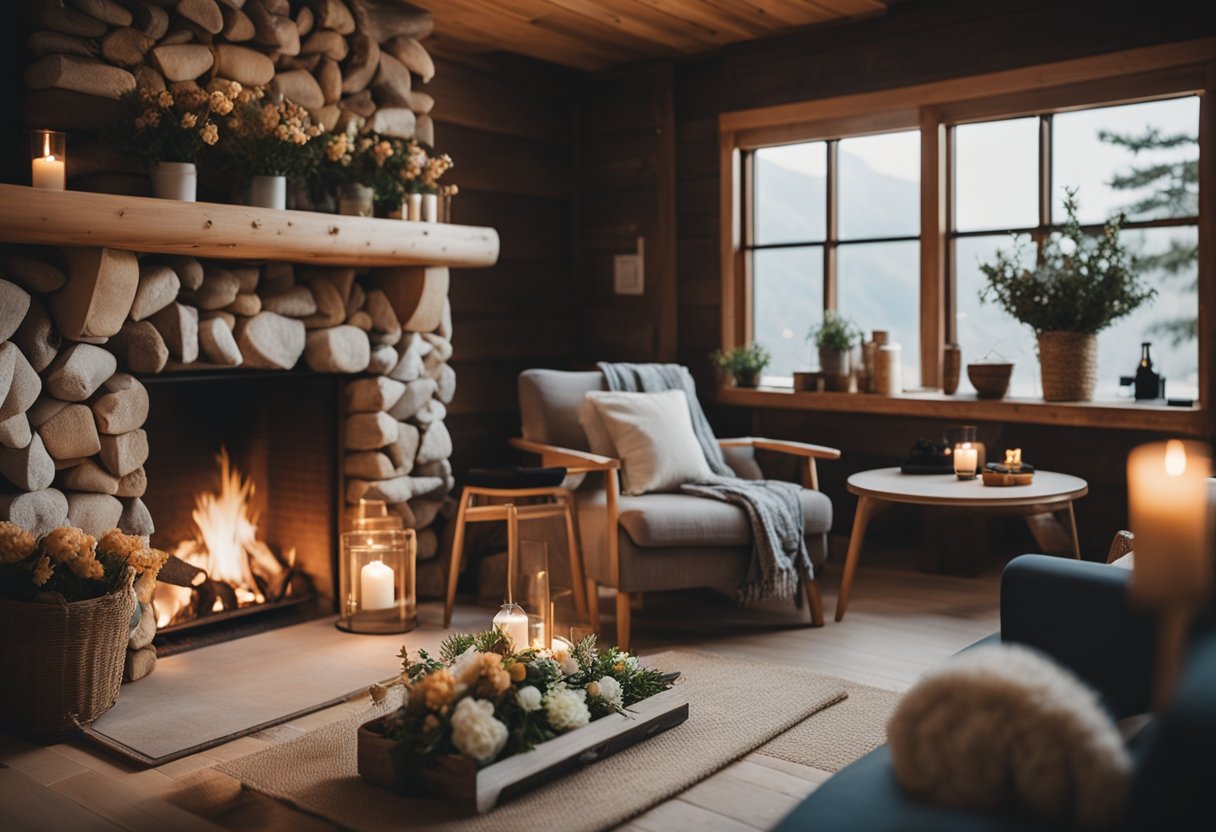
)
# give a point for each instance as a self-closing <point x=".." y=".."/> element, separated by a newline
<point x="376" y="581"/>
<point x="47" y="166"/>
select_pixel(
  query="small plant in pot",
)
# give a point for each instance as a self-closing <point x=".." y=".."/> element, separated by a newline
<point x="268" y="142"/>
<point x="835" y="338"/>
<point x="743" y="364"/>
<point x="1079" y="286"/>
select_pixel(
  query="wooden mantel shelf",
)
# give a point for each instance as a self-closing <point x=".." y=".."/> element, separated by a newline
<point x="1189" y="421"/>
<point x="203" y="229"/>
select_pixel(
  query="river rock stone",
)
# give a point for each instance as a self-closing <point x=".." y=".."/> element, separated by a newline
<point x="432" y="411"/>
<point x="270" y="341"/>
<point x="30" y="468"/>
<point x="369" y="465"/>
<point x="139" y="663"/>
<point x="36" y="274"/>
<point x="365" y="395"/>
<point x="409" y="365"/>
<point x="178" y="327"/>
<point x="370" y="431"/>
<point x="79" y="371"/>
<point x="93" y="514"/>
<point x="395" y="490"/>
<point x="37" y="337"/>
<point x="217" y="343"/>
<point x="440" y="346"/>
<point x="140" y="347"/>
<point x="383" y="360"/>
<point x="43" y="408"/>
<point x="14" y="303"/>
<point x="15" y="432"/>
<point x="425" y="510"/>
<point x="38" y="512"/>
<point x="133" y="484"/>
<point x="124" y="452"/>
<point x="98" y="294"/>
<point x="360" y="320"/>
<point x="331" y="309"/>
<point x="136" y="519"/>
<point x="219" y="288"/>
<point x="446" y="385"/>
<point x="417" y="394"/>
<point x="24" y="384"/>
<point x="91" y="477"/>
<point x="188" y="269"/>
<point x="292" y="302"/>
<point x="339" y="349"/>
<point x="402" y="452"/>
<point x="70" y="433"/>
<point x="436" y="444"/>
<point x="122" y="405"/>
<point x="246" y="303"/>
<point x="158" y="287"/>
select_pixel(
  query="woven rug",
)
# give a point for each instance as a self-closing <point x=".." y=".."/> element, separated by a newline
<point x="837" y="736"/>
<point x="734" y="707"/>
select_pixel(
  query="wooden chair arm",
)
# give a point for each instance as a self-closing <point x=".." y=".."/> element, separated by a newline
<point x="784" y="446"/>
<point x="583" y="461"/>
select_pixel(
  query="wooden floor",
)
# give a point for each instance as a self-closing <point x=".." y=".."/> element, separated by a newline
<point x="900" y="622"/>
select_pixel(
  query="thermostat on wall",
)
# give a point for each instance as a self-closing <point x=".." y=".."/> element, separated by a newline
<point x="627" y="273"/>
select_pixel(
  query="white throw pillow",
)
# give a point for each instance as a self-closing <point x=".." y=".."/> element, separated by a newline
<point x="598" y="439"/>
<point x="653" y="437"/>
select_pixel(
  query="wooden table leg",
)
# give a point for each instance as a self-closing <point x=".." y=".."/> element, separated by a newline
<point x="454" y="566"/>
<point x="866" y="508"/>
<point x="1072" y="525"/>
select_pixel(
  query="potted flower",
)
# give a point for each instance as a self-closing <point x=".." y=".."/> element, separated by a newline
<point x="436" y="167"/>
<point x="411" y="177"/>
<point x="171" y="130"/>
<point x="743" y="364"/>
<point x="66" y="607"/>
<point x="266" y="143"/>
<point x="835" y="338"/>
<point x="1080" y="285"/>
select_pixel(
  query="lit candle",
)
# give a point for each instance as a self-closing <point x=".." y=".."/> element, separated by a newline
<point x="1168" y="505"/>
<point x="376" y="584"/>
<point x="513" y="621"/>
<point x="48" y="171"/>
<point x="1013" y="457"/>
<point x="966" y="458"/>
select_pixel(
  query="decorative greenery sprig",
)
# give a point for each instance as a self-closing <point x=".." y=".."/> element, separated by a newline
<point x="1081" y="283"/>
<point x="836" y="332"/>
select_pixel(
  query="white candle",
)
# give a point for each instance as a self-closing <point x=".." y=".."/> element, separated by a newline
<point x="1168" y="504"/>
<point x="376" y="584"/>
<point x="966" y="457"/>
<point x="513" y="621"/>
<point x="48" y="173"/>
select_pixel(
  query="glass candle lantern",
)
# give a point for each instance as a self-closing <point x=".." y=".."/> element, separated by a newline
<point x="48" y="159"/>
<point x="377" y="573"/>
<point x="513" y="621"/>
<point x="966" y="454"/>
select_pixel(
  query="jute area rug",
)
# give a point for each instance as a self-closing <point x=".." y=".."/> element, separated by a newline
<point x="734" y="708"/>
<point x="839" y="735"/>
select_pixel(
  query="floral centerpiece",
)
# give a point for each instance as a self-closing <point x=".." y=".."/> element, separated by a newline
<point x="366" y="169"/>
<point x="267" y="142"/>
<point x="66" y="605"/>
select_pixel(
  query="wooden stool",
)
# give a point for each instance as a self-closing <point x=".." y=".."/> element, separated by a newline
<point x="559" y="503"/>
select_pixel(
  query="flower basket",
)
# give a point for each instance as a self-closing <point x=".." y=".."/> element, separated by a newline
<point x="62" y="662"/>
<point x="459" y="780"/>
<point x="1068" y="362"/>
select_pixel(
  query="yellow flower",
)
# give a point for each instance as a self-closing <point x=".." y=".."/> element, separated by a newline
<point x="435" y="690"/>
<point x="220" y="104"/>
<point x="210" y="134"/>
<point x="282" y="133"/>
<point x="42" y="570"/>
<point x="165" y="99"/>
<point x="189" y="120"/>
<point x="270" y="116"/>
<point x="66" y="544"/>
<point x="87" y="567"/>
<point x="15" y="543"/>
<point x="518" y="672"/>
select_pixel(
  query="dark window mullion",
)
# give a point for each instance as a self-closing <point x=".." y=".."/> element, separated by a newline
<point x="950" y="298"/>
<point x="830" y="295"/>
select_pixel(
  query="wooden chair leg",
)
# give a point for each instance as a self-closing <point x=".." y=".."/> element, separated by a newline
<point x="512" y="550"/>
<point x="812" y="595"/>
<point x="457" y="554"/>
<point x="624" y="610"/>
<point x="593" y="604"/>
<point x="573" y="544"/>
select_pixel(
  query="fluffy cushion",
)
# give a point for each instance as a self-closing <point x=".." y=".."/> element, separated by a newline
<point x="653" y="437"/>
<point x="1003" y="728"/>
<point x="598" y="439"/>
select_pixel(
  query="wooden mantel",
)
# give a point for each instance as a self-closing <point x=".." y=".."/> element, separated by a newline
<point x="202" y="229"/>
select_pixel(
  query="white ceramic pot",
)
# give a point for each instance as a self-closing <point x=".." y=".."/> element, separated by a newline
<point x="430" y="207"/>
<point x="355" y="200"/>
<point x="268" y="192"/>
<point x="175" y="180"/>
<point x="412" y="210"/>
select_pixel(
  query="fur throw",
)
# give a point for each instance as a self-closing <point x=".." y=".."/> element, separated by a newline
<point x="1003" y="728"/>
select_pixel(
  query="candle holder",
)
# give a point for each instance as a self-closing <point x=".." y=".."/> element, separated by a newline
<point x="966" y="454"/>
<point x="48" y="159"/>
<point x="528" y="585"/>
<point x="513" y="621"/>
<point x="376" y="571"/>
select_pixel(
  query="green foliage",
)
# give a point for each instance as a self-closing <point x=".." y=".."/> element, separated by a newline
<point x="743" y="364"/>
<point x="1081" y="283"/>
<point x="836" y="332"/>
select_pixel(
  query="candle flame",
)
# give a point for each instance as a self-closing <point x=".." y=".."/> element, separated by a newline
<point x="1175" y="458"/>
<point x="46" y="146"/>
<point x="1013" y="456"/>
<point x="966" y="446"/>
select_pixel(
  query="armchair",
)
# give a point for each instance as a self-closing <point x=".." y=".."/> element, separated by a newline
<point x="657" y="541"/>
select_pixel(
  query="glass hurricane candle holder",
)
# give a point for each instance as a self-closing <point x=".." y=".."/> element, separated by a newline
<point x="513" y="621"/>
<point x="48" y="159"/>
<point x="377" y="573"/>
<point x="966" y="454"/>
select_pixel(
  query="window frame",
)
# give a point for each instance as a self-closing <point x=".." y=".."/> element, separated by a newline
<point x="1146" y="74"/>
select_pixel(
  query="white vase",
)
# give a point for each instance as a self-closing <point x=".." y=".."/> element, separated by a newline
<point x="355" y="200"/>
<point x="430" y="207"/>
<point x="413" y="207"/>
<point x="268" y="192"/>
<point x="175" y="180"/>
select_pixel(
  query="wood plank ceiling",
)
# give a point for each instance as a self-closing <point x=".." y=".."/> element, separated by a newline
<point x="595" y="35"/>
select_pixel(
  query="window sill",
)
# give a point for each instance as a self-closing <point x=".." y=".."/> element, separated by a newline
<point x="1192" y="421"/>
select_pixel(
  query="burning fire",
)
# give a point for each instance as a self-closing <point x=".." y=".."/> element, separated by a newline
<point x="226" y="548"/>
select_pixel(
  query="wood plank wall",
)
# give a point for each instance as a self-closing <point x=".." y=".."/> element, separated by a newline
<point x="509" y="125"/>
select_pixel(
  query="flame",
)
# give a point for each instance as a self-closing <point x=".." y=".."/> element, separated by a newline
<point x="1175" y="458"/>
<point x="226" y="545"/>
<point x="1013" y="456"/>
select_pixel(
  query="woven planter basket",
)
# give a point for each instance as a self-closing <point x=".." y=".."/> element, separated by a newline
<point x="1068" y="362"/>
<point x="62" y="663"/>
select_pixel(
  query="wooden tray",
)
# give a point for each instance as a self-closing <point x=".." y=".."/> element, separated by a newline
<point x="459" y="780"/>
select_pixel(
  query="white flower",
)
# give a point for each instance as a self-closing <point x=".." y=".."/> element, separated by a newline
<point x="610" y="692"/>
<point x="475" y="732"/>
<point x="566" y="662"/>
<point x="566" y="709"/>
<point x="529" y="698"/>
<point x="463" y="661"/>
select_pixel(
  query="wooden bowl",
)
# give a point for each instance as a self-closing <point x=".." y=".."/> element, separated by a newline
<point x="990" y="378"/>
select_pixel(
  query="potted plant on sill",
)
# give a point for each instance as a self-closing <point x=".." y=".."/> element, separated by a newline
<point x="743" y="365"/>
<point x="1079" y="286"/>
<point x="171" y="130"/>
<point x="268" y="142"/>
<point x="835" y="338"/>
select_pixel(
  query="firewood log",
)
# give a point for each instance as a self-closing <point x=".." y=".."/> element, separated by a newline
<point x="305" y="20"/>
<point x="333" y="14"/>
<point x="69" y="72"/>
<point x="413" y="55"/>
<point x="57" y="43"/>
<point x="273" y="30"/>
<point x="360" y="103"/>
<point x="126" y="46"/>
<point x="328" y="43"/>
<point x="237" y="26"/>
<point x="205" y="13"/>
<point x="391" y="85"/>
<point x="362" y="63"/>
<point x="176" y="37"/>
<point x="147" y="78"/>
<point x="239" y="63"/>
<point x="277" y="6"/>
<point x="308" y="63"/>
<point x="153" y="21"/>
<point x="234" y="4"/>
<point x="182" y="62"/>
<point x="300" y="87"/>
<point x="107" y="11"/>
<point x="329" y="77"/>
<point x="383" y="21"/>
<point x="53" y="15"/>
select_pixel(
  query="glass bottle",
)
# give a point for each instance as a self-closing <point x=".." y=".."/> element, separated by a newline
<point x="1148" y="381"/>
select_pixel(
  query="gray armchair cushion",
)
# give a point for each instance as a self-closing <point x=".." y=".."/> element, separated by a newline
<point x="671" y="520"/>
<point x="549" y="402"/>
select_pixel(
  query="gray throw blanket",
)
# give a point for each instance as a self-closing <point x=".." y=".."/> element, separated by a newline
<point x="780" y="559"/>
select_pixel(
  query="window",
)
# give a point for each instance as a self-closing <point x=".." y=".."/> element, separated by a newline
<point x="1009" y="177"/>
<point x="836" y="225"/>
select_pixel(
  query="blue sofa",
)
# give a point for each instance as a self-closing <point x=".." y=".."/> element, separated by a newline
<point x="1077" y="613"/>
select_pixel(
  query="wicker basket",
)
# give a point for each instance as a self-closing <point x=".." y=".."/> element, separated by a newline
<point x="1069" y="365"/>
<point x="62" y="662"/>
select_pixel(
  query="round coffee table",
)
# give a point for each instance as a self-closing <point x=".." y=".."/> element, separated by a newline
<point x="881" y="487"/>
